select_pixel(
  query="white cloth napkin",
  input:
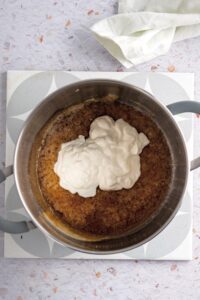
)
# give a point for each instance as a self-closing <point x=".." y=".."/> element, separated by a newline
<point x="144" y="29"/>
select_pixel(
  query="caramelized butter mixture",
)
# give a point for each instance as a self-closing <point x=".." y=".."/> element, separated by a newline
<point x="108" y="212"/>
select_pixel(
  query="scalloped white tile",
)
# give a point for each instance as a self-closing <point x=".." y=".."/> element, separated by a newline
<point x="27" y="88"/>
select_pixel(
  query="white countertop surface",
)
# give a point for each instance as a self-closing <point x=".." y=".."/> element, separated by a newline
<point x="52" y="34"/>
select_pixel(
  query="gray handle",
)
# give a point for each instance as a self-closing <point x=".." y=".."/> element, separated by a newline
<point x="4" y="173"/>
<point x="10" y="226"/>
<point x="183" y="107"/>
<point x="15" y="227"/>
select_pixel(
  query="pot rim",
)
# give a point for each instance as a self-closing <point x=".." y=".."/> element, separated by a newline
<point x="76" y="85"/>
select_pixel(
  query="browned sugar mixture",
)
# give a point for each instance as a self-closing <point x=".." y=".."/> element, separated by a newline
<point x="109" y="212"/>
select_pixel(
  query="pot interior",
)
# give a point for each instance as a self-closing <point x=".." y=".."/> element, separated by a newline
<point x="77" y="93"/>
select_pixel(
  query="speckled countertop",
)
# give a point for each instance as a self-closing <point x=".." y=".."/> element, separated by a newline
<point x="52" y="34"/>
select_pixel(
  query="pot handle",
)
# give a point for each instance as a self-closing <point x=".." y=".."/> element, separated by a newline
<point x="183" y="107"/>
<point x="10" y="226"/>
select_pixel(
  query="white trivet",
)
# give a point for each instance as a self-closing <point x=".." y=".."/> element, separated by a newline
<point x="25" y="89"/>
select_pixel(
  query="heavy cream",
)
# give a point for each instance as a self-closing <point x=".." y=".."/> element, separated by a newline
<point x="108" y="158"/>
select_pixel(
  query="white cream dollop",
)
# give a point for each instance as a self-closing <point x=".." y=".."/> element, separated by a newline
<point x="108" y="158"/>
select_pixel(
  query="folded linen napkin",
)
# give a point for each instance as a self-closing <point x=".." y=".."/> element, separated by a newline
<point x="144" y="29"/>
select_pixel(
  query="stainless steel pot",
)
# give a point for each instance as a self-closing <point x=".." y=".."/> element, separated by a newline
<point x="128" y="94"/>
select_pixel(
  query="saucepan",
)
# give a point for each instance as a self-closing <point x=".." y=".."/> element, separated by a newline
<point x="77" y="93"/>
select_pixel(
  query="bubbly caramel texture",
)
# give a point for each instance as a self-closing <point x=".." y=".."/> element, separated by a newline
<point x="108" y="212"/>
